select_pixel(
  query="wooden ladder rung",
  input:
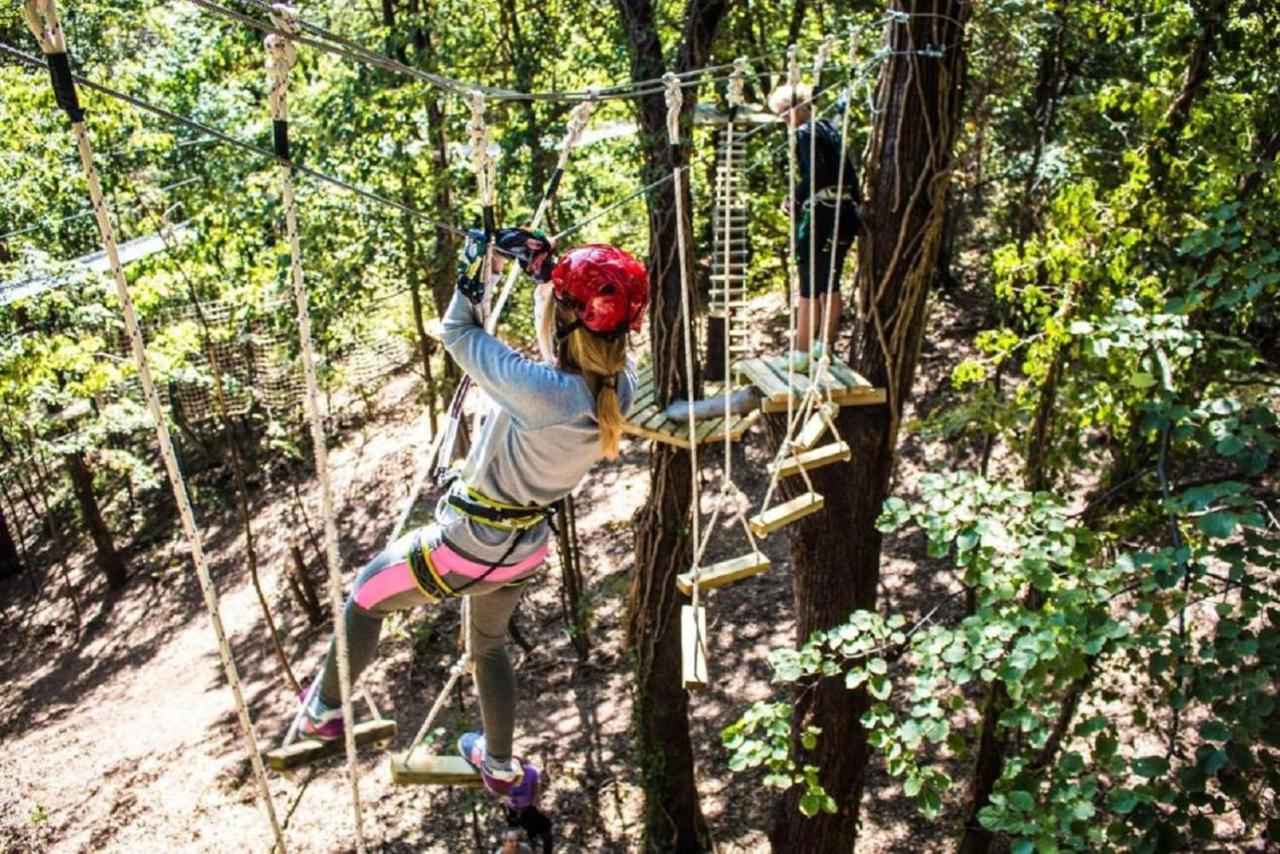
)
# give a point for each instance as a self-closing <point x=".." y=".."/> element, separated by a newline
<point x="785" y="513"/>
<point x="309" y="750"/>
<point x="693" y="646"/>
<point x="816" y="426"/>
<point x="836" y="452"/>
<point x="724" y="572"/>
<point x="423" y="769"/>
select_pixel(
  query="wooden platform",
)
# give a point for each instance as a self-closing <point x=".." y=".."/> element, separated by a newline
<point x="724" y="572"/>
<point x="424" y="769"/>
<point x="309" y="750"/>
<point x="769" y="375"/>
<point x="648" y="418"/>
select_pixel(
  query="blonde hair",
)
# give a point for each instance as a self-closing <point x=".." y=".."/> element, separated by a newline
<point x="786" y="96"/>
<point x="601" y="362"/>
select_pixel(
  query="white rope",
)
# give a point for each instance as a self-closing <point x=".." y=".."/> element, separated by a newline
<point x="833" y="286"/>
<point x="793" y="271"/>
<point x="675" y="100"/>
<point x="42" y="18"/>
<point x="819" y="60"/>
<point x="280" y="58"/>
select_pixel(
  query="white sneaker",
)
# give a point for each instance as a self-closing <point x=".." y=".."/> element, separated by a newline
<point x="799" y="360"/>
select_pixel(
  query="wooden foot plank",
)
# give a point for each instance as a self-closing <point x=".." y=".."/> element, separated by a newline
<point x="763" y="378"/>
<point x="423" y="769"/>
<point x="309" y="750"/>
<point x="816" y="426"/>
<point x="693" y="646"/>
<point x="786" y="513"/>
<point x="825" y="455"/>
<point x="724" y="572"/>
<point x="849" y="378"/>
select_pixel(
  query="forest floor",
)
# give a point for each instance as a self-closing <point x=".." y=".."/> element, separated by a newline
<point x="125" y="738"/>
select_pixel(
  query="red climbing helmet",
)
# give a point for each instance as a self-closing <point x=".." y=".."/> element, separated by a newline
<point x="605" y="287"/>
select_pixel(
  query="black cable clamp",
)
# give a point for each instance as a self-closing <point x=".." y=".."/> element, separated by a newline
<point x="64" y="86"/>
<point x="280" y="137"/>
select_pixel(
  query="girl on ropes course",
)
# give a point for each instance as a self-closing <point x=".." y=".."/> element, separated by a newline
<point x="818" y="154"/>
<point x="489" y="538"/>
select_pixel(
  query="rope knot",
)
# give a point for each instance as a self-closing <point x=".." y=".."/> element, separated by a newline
<point x="42" y="20"/>
<point x="284" y="18"/>
<point x="793" y="66"/>
<point x="737" y="81"/>
<point x="675" y="100"/>
<point x="820" y="58"/>
<point x="578" y="121"/>
<point x="481" y="160"/>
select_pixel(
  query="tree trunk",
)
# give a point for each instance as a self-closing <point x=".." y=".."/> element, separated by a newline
<point x="836" y="554"/>
<point x="104" y="548"/>
<point x="672" y="817"/>
<point x="10" y="562"/>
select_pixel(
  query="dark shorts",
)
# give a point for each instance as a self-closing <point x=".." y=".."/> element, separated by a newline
<point x="821" y="219"/>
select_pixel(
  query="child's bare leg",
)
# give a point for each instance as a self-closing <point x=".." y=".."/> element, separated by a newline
<point x="806" y="311"/>
<point x="831" y="307"/>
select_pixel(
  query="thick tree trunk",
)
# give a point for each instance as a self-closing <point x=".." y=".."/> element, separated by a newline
<point x="836" y="554"/>
<point x="10" y="562"/>
<point x="672" y="817"/>
<point x="104" y="548"/>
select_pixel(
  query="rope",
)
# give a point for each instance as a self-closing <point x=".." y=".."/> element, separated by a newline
<point x="793" y="273"/>
<point x="42" y="18"/>
<point x="341" y="46"/>
<point x="675" y="100"/>
<point x="819" y="60"/>
<point x="221" y="136"/>
<point x="280" y="59"/>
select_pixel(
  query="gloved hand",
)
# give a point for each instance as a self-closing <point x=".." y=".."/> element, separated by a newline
<point x="533" y="250"/>
<point x="471" y="272"/>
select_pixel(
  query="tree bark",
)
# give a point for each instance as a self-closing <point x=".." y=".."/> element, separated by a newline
<point x="672" y="817"/>
<point x="10" y="562"/>
<point x="104" y="547"/>
<point x="836" y="554"/>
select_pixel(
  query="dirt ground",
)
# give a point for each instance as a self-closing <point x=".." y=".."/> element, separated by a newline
<point x="125" y="739"/>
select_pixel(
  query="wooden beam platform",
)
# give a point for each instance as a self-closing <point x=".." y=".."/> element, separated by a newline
<point x="769" y="375"/>
<point x="825" y="455"/>
<point x="424" y="769"/>
<point x="724" y="572"/>
<point x="308" y="750"/>
<point x="693" y="646"/>
<point x="648" y="419"/>
<point x="784" y="514"/>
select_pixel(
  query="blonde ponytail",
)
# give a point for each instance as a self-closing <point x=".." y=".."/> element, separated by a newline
<point x="601" y="362"/>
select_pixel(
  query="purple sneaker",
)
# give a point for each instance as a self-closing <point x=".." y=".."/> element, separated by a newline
<point x="517" y="785"/>
<point x="319" y="722"/>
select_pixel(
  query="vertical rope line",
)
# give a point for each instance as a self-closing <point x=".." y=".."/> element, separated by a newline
<point x="832" y="284"/>
<point x="793" y="267"/>
<point x="42" y="18"/>
<point x="675" y="99"/>
<point x="280" y="58"/>
<point x="819" y="60"/>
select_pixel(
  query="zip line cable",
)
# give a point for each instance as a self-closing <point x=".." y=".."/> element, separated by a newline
<point x="222" y="136"/>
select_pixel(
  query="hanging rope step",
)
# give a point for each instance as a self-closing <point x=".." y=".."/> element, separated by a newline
<point x="826" y="455"/>
<point x="725" y="572"/>
<point x="428" y="770"/>
<point x="308" y="751"/>
<point x="780" y="515"/>
<point x="816" y="427"/>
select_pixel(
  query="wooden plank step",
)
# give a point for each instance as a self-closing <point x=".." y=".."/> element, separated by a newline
<point x="309" y="750"/>
<point x="724" y="572"/>
<point x="816" y="426"/>
<point x="757" y="371"/>
<point x="762" y="524"/>
<point x="825" y="455"/>
<point x="423" y="769"/>
<point x="693" y="646"/>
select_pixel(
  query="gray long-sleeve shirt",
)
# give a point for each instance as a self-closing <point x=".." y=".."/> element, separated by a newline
<point x="536" y="445"/>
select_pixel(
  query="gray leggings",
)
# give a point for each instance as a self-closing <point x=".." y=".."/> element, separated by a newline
<point x="388" y="584"/>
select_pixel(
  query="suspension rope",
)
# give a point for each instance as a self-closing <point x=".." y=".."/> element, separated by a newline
<point x="793" y="273"/>
<point x="819" y="60"/>
<point x="42" y="19"/>
<point x="338" y="45"/>
<point x="280" y="59"/>
<point x="221" y="136"/>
